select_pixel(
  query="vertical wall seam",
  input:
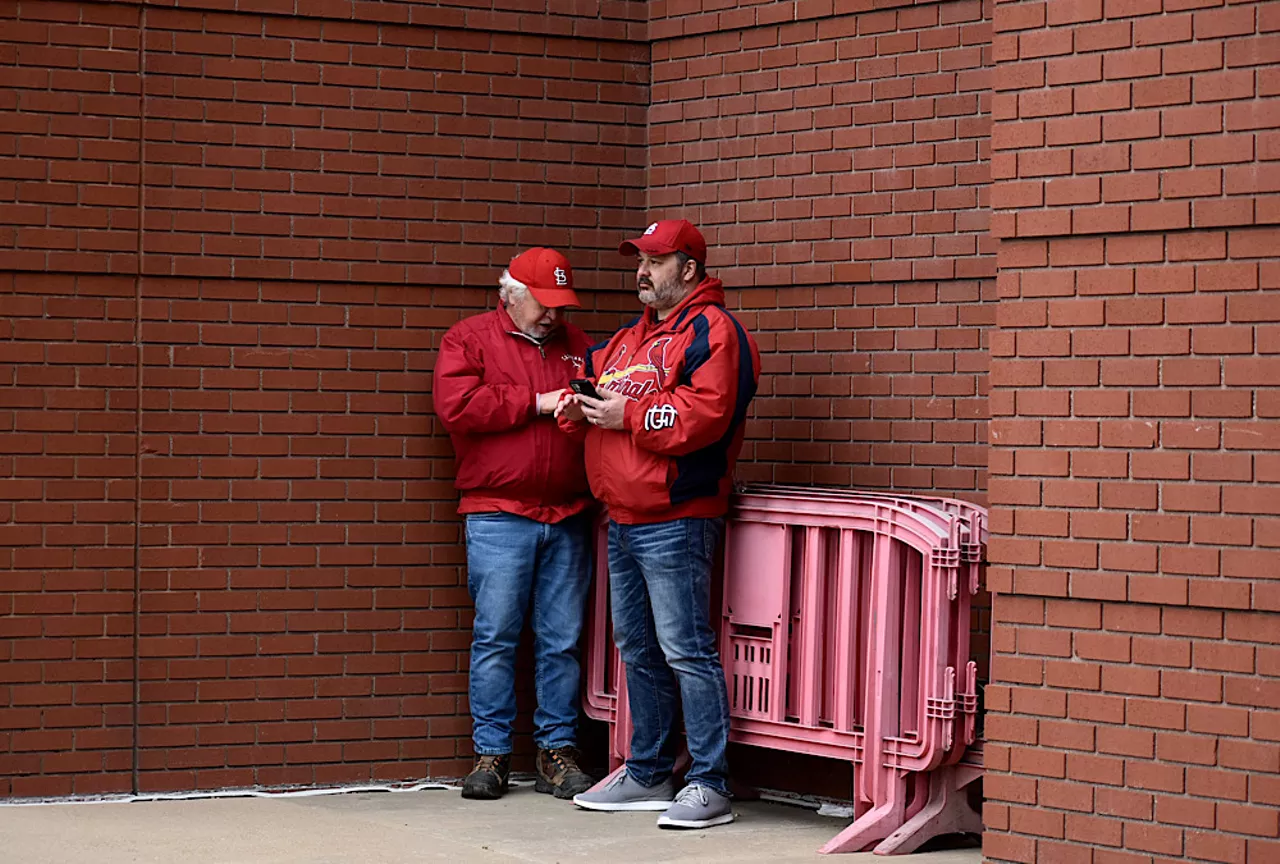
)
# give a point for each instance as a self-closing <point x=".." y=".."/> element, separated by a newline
<point x="137" y="383"/>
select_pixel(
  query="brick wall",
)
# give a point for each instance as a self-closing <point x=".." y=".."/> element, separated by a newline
<point x="822" y="145"/>
<point x="836" y="157"/>
<point x="233" y="457"/>
<point x="221" y="302"/>
<point x="871" y="384"/>
<point x="1135" y="714"/>
<point x="68" y="462"/>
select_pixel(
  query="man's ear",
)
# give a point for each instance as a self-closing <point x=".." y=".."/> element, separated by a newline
<point x="690" y="270"/>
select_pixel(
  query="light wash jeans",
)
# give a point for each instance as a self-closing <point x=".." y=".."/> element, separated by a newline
<point x="510" y="560"/>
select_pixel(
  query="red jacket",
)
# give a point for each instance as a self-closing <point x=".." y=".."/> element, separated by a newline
<point x="487" y="378"/>
<point x="690" y="379"/>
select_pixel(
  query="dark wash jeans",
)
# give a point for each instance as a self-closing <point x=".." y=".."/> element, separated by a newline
<point x="660" y="588"/>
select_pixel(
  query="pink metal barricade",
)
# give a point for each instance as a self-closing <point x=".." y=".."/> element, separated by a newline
<point x="906" y="675"/>
<point x="844" y="633"/>
<point x="973" y="521"/>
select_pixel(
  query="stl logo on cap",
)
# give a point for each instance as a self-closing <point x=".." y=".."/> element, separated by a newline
<point x="666" y="236"/>
<point x="547" y="275"/>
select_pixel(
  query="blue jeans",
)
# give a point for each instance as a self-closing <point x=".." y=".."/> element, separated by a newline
<point x="660" y="589"/>
<point x="509" y="560"/>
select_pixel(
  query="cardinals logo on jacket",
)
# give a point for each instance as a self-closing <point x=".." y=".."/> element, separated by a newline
<point x="638" y="379"/>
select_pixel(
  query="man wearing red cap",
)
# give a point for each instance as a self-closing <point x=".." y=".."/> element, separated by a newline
<point x="498" y="378"/>
<point x="661" y="443"/>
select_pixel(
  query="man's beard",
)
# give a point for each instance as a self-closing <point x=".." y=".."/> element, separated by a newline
<point x="536" y="330"/>
<point x="539" y="332"/>
<point x="661" y="296"/>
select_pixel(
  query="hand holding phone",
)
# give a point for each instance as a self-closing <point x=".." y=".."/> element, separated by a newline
<point x="584" y="387"/>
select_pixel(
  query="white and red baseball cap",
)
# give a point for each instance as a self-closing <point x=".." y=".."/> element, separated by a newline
<point x="547" y="275"/>
<point x="667" y="236"/>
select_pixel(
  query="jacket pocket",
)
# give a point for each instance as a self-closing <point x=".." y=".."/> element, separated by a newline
<point x="644" y="480"/>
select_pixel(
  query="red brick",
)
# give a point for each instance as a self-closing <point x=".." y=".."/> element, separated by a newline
<point x="1128" y="804"/>
<point x="1215" y="846"/>
<point x="1095" y="769"/>
<point x="1191" y="812"/>
<point x="1042" y="823"/>
<point x="1216" y="23"/>
<point x="1152" y="838"/>
<point x="1094" y="830"/>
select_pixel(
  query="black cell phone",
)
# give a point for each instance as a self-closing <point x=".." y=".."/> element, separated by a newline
<point x="583" y="387"/>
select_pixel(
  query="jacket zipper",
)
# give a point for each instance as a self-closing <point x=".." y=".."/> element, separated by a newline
<point x="541" y="443"/>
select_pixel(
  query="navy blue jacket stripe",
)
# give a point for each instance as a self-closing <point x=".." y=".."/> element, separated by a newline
<point x="698" y="473"/>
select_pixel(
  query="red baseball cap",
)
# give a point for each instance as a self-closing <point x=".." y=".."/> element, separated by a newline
<point x="547" y="275"/>
<point x="667" y="236"/>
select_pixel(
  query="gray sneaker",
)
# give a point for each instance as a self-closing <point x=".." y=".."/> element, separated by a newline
<point x="697" y="807"/>
<point x="623" y="793"/>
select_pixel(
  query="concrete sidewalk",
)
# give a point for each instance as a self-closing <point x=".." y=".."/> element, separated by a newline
<point x="398" y="828"/>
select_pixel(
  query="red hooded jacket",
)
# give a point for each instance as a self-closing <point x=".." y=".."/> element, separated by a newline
<point x="510" y="459"/>
<point x="690" y="378"/>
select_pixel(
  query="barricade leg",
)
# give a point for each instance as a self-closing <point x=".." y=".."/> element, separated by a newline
<point x="876" y="824"/>
<point x="948" y="811"/>
<point x="620" y="740"/>
<point x="619" y="724"/>
<point x="884" y="787"/>
<point x="919" y="794"/>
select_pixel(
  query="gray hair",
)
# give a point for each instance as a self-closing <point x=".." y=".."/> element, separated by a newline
<point x="511" y="289"/>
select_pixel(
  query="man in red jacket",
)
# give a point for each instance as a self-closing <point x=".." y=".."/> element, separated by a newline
<point x="661" y="443"/>
<point x="498" y="378"/>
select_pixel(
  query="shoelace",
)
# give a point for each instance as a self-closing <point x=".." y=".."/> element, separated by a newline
<point x="689" y="793"/>
<point x="561" y="760"/>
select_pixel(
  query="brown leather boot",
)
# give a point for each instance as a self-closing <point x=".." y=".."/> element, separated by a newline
<point x="488" y="780"/>
<point x="559" y="774"/>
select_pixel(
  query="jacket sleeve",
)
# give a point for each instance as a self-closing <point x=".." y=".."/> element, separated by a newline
<point x="575" y="429"/>
<point x="468" y="405"/>
<point x="717" y="379"/>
